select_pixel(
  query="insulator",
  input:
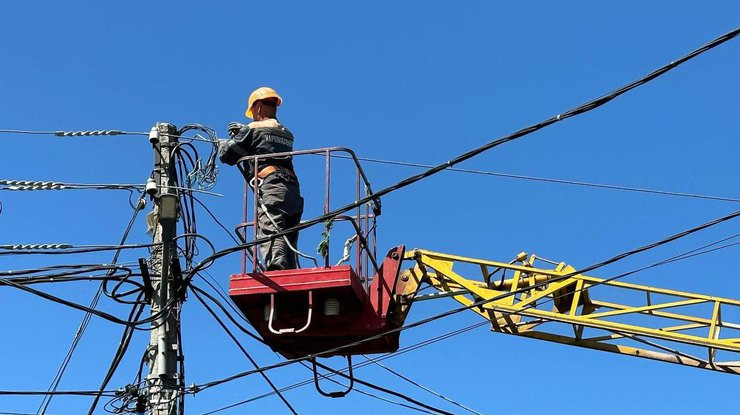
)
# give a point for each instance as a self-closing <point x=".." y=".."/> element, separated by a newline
<point x="154" y="135"/>
<point x="331" y="307"/>
<point x="151" y="187"/>
<point x="87" y="133"/>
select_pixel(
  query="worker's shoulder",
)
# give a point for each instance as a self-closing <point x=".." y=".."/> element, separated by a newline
<point x="270" y="125"/>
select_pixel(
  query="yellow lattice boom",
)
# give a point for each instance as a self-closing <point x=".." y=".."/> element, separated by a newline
<point x="562" y="306"/>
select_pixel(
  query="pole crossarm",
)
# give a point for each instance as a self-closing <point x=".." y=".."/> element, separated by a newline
<point x="608" y="315"/>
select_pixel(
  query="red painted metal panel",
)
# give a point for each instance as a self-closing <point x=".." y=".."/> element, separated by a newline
<point x="296" y="280"/>
<point x="384" y="285"/>
<point x="362" y="314"/>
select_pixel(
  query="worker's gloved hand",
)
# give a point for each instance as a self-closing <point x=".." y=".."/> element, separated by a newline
<point x="234" y="128"/>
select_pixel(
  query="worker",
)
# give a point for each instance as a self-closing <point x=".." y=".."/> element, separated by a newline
<point x="280" y="204"/>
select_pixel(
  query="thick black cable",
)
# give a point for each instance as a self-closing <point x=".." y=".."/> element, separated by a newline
<point x="77" y="306"/>
<point x="243" y="329"/>
<point x="383" y="357"/>
<point x="15" y="250"/>
<point x="477" y="303"/>
<point x="128" y="332"/>
<point x="583" y="108"/>
<point x="244" y="351"/>
<point x="197" y="292"/>
<point x="384" y="390"/>
<point x="362" y="392"/>
<point x="88" y="316"/>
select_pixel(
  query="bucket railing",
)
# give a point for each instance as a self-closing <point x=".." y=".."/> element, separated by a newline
<point x="364" y="221"/>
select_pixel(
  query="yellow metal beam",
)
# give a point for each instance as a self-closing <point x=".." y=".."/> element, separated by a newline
<point x="538" y="295"/>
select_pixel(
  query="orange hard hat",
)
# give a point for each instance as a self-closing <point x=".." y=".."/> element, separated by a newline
<point x="264" y="92"/>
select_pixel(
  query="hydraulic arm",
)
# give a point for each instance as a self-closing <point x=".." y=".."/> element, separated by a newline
<point x="555" y="305"/>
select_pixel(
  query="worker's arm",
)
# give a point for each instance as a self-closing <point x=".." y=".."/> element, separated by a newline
<point x="240" y="144"/>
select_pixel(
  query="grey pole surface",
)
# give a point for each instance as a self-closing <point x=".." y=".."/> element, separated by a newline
<point x="163" y="380"/>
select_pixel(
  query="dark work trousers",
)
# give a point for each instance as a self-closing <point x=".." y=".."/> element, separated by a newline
<point x="281" y="196"/>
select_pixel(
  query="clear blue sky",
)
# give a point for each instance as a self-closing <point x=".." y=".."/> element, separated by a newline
<point x="414" y="81"/>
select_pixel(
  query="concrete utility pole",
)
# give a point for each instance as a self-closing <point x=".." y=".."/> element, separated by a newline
<point x="164" y="381"/>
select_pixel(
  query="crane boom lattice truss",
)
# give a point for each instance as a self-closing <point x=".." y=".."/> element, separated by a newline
<point x="580" y="310"/>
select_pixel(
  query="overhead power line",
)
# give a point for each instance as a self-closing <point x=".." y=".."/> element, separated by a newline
<point x="422" y="387"/>
<point x="56" y="393"/>
<point x="63" y="248"/>
<point x="244" y="351"/>
<point x="197" y="293"/>
<point x="91" y="133"/>
<point x="84" y="133"/>
<point x="691" y="253"/>
<point x="53" y="185"/>
<point x="550" y="180"/>
<point x="82" y="327"/>
<point x="581" y="109"/>
<point x="611" y="260"/>
<point x="578" y="110"/>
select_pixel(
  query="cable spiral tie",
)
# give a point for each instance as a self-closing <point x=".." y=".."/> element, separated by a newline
<point x="32" y="185"/>
<point x="87" y="133"/>
<point x="26" y="247"/>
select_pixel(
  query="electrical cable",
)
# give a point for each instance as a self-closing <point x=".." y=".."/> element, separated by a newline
<point x="383" y="357"/>
<point x="244" y="351"/>
<point x="420" y="386"/>
<point x="576" y="111"/>
<point x="550" y="180"/>
<point x="88" y="316"/>
<point x="360" y="391"/>
<point x="56" y="393"/>
<point x="63" y="249"/>
<point x="385" y="390"/>
<point x="451" y="334"/>
<point x="27" y="185"/>
<point x="475" y="304"/>
<point x="84" y="133"/>
<point x="215" y="219"/>
<point x="136" y="311"/>
<point x="197" y="293"/>
<point x="581" y="109"/>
